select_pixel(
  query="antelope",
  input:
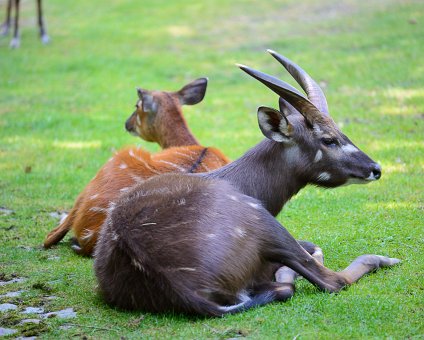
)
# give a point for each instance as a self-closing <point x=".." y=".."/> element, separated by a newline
<point x="16" y="40"/>
<point x="209" y="244"/>
<point x="158" y="118"/>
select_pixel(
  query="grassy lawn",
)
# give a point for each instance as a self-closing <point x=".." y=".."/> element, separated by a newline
<point x="62" y="114"/>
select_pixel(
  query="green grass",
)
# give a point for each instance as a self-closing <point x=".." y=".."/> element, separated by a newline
<point x="62" y="112"/>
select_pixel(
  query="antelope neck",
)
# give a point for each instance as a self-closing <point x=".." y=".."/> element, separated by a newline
<point x="266" y="172"/>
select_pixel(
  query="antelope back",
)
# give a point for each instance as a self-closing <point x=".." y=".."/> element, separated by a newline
<point x="158" y="116"/>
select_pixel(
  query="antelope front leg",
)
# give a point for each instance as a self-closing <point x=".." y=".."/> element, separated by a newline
<point x="15" y="42"/>
<point x="287" y="275"/>
<point x="45" y="39"/>
<point x="6" y="25"/>
<point x="366" y="264"/>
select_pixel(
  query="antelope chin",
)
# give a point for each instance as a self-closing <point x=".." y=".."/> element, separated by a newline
<point x="360" y="180"/>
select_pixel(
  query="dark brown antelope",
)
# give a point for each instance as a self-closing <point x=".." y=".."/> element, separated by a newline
<point x="16" y="40"/>
<point x="158" y="118"/>
<point x="209" y="244"/>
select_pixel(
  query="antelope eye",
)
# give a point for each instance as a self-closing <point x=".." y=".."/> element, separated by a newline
<point x="328" y="141"/>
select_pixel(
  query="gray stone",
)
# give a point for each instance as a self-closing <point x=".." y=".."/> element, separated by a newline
<point x="7" y="331"/>
<point x="7" y="306"/>
<point x="15" y="280"/>
<point x="36" y="321"/>
<point x="67" y="313"/>
<point x="33" y="310"/>
<point x="12" y="294"/>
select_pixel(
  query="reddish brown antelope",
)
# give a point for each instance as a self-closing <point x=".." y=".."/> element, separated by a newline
<point x="158" y="118"/>
<point x="208" y="244"/>
<point x="16" y="40"/>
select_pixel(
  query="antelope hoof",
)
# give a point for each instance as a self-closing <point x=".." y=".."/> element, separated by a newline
<point x="45" y="39"/>
<point x="15" y="43"/>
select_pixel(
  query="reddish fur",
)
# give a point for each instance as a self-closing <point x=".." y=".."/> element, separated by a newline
<point x="140" y="165"/>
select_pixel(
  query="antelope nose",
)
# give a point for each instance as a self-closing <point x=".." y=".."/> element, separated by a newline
<point x="376" y="171"/>
<point x="128" y="125"/>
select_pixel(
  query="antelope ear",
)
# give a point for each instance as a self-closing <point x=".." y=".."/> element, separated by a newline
<point x="193" y="92"/>
<point x="274" y="125"/>
<point x="149" y="103"/>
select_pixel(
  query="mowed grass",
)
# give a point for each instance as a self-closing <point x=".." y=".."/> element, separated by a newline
<point x="62" y="115"/>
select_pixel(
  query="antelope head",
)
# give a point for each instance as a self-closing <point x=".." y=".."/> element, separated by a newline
<point x="159" y="112"/>
<point x="322" y="153"/>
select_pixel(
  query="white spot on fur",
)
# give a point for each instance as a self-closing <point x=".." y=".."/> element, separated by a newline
<point x="188" y="269"/>
<point x="172" y="165"/>
<point x="114" y="236"/>
<point x="254" y="205"/>
<point x="136" y="178"/>
<point x="232" y="197"/>
<point x="88" y="234"/>
<point x="140" y="159"/>
<point x="98" y="209"/>
<point x="323" y="176"/>
<point x="111" y="207"/>
<point x="318" y="156"/>
<point x="181" y="201"/>
<point x="148" y="223"/>
<point x="278" y="137"/>
<point x="137" y="264"/>
<point x="123" y="166"/>
<point x="240" y="232"/>
<point x="210" y="235"/>
<point x="92" y="197"/>
<point x="349" y="148"/>
<point x="124" y="189"/>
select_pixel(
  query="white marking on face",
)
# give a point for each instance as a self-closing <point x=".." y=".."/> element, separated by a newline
<point x="123" y="166"/>
<point x="92" y="197"/>
<point x="138" y="120"/>
<point x="317" y="129"/>
<point x="137" y="129"/>
<point x="292" y="154"/>
<point x="323" y="176"/>
<point x="318" y="156"/>
<point x="349" y="148"/>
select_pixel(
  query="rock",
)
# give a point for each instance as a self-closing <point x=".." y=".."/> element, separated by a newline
<point x="7" y="331"/>
<point x="7" y="306"/>
<point x="15" y="280"/>
<point x="67" y="313"/>
<point x="33" y="310"/>
<point x="12" y="294"/>
<point x="36" y="321"/>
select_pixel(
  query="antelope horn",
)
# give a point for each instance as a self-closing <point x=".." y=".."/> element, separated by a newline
<point x="287" y="92"/>
<point x="312" y="89"/>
